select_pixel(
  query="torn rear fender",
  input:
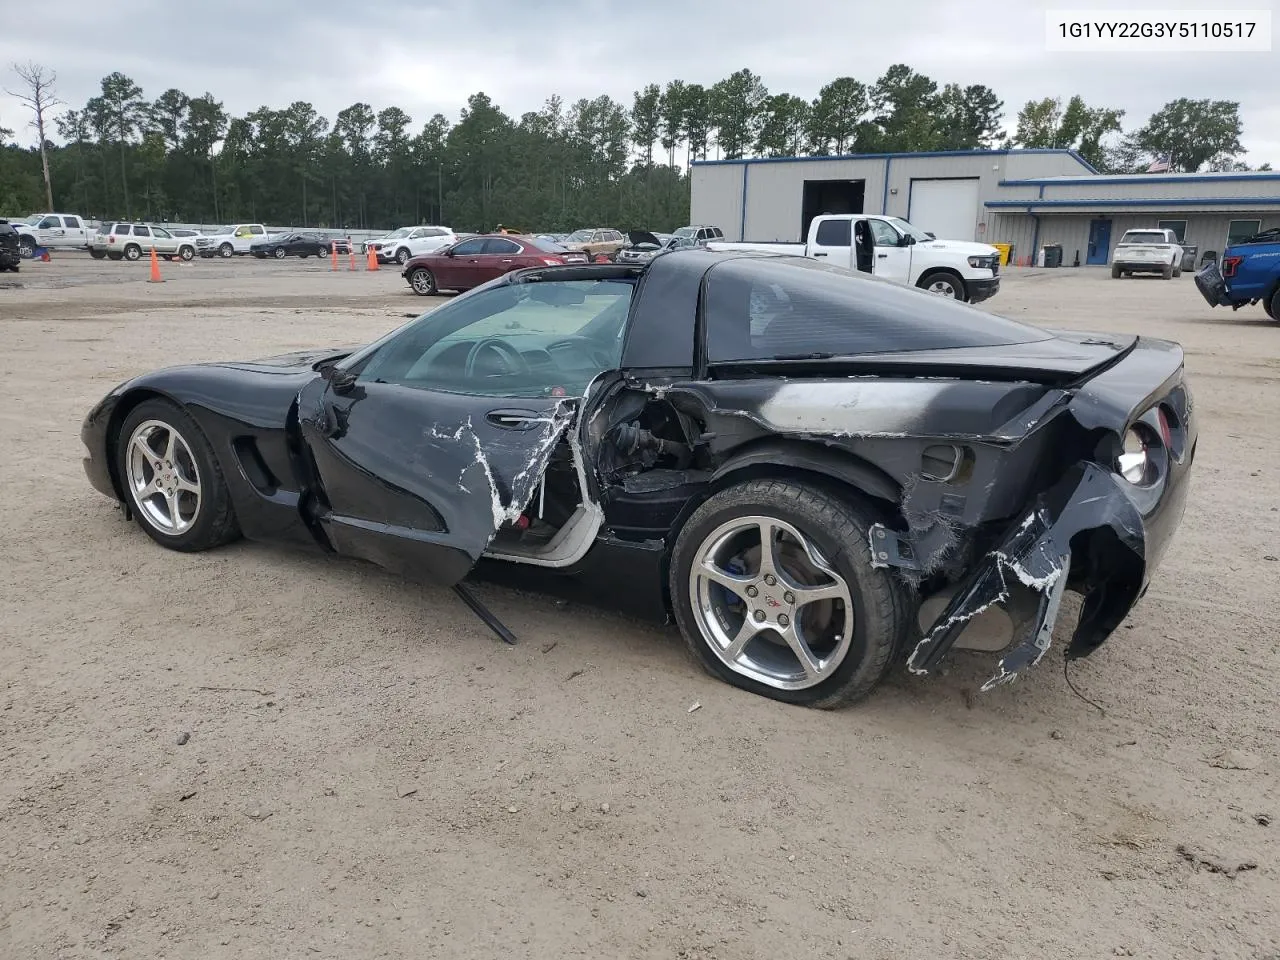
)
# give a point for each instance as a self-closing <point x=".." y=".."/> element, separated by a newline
<point x="1085" y="532"/>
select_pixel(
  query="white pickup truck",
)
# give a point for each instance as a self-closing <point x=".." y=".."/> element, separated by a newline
<point x="231" y="241"/>
<point x="891" y="248"/>
<point x="66" y="231"/>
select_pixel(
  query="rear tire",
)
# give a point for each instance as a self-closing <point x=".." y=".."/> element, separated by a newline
<point x="133" y="252"/>
<point x="1166" y="272"/>
<point x="841" y="669"/>
<point x="205" y="517"/>
<point x="1271" y="306"/>
<point x="98" y="254"/>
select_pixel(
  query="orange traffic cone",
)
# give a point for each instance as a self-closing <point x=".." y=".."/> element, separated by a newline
<point x="373" y="260"/>
<point x="333" y="247"/>
<point x="155" y="268"/>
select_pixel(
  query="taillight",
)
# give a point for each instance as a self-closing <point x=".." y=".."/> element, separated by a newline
<point x="553" y="261"/>
<point x="1229" y="265"/>
<point x="111" y="239"/>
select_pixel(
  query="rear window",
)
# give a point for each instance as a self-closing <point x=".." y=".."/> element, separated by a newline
<point x="6" y="228"/>
<point x="834" y="233"/>
<point x="1144" y="236"/>
<point x="773" y="308"/>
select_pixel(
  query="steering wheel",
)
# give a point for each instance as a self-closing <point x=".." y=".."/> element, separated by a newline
<point x="510" y="356"/>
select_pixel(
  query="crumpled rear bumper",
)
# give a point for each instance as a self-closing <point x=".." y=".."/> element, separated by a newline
<point x="1086" y="532"/>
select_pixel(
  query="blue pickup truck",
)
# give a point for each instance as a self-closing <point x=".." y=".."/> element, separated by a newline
<point x="1250" y="273"/>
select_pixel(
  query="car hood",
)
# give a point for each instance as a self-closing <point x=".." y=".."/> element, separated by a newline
<point x="637" y="237"/>
<point x="298" y="360"/>
<point x="964" y="247"/>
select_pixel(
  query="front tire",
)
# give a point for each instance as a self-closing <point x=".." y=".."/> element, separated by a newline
<point x="225" y="251"/>
<point x="172" y="480"/>
<point x="402" y="256"/>
<point x="1272" y="306"/>
<point x="944" y="283"/>
<point x="815" y="624"/>
<point x="280" y="253"/>
<point x="187" y="253"/>
<point x="423" y="282"/>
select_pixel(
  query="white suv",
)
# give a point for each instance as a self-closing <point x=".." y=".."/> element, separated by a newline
<point x="400" y="245"/>
<point x="1150" y="250"/>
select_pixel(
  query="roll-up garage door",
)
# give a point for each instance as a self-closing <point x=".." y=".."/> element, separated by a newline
<point x="946" y="208"/>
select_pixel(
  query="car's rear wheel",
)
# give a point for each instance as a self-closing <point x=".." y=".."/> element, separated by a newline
<point x="26" y="248"/>
<point x="402" y="256"/>
<point x="1272" y="306"/>
<point x="168" y="471"/>
<point x="773" y="588"/>
<point x="423" y="282"/>
<point x="133" y="252"/>
<point x="944" y="283"/>
<point x="98" y="254"/>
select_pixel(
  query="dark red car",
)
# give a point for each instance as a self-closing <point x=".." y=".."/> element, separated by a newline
<point x="476" y="260"/>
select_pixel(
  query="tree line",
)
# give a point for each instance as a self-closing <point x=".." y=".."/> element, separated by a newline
<point x="184" y="158"/>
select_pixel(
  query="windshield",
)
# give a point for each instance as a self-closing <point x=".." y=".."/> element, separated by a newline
<point x="905" y="228"/>
<point x="402" y="232"/>
<point x="33" y="219"/>
<point x="216" y="231"/>
<point x="1144" y="236"/>
<point x="686" y="231"/>
<point x="579" y="236"/>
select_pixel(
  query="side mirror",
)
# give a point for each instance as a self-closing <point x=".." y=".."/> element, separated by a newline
<point x="908" y="240"/>
<point x="448" y="251"/>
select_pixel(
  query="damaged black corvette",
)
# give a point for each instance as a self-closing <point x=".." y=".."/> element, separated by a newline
<point x="819" y="474"/>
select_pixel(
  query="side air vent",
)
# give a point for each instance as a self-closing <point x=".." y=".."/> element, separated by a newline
<point x="946" y="463"/>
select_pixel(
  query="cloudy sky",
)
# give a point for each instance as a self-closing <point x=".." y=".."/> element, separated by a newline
<point x="426" y="57"/>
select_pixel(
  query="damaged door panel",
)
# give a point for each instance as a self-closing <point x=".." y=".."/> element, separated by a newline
<point x="419" y="481"/>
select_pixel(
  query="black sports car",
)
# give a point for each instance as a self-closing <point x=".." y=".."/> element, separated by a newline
<point x="820" y="474"/>
<point x="297" y="245"/>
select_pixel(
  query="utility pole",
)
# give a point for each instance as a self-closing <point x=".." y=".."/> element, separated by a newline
<point x="39" y="99"/>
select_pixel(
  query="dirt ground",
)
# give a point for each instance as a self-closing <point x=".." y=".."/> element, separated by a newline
<point x="369" y="773"/>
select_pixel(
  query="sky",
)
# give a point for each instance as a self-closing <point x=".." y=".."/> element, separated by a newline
<point x="427" y="57"/>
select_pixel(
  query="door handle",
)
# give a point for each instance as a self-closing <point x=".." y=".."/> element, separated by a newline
<point x="816" y="254"/>
<point x="882" y="256"/>
<point x="508" y="260"/>
<point x="515" y="419"/>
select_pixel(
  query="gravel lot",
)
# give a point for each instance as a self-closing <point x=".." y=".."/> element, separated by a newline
<point x="369" y="773"/>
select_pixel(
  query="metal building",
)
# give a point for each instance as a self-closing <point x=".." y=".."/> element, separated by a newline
<point x="1027" y="198"/>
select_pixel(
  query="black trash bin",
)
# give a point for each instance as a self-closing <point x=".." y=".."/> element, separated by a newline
<point x="1189" y="251"/>
<point x="1053" y="254"/>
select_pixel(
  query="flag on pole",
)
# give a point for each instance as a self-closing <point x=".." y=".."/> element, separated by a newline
<point x="1160" y="164"/>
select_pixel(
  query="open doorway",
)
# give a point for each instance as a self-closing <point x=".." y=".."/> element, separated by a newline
<point x="829" y="196"/>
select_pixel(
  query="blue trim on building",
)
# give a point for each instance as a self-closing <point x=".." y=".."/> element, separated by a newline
<point x="884" y="198"/>
<point x="1142" y="202"/>
<point x="747" y="161"/>
<point x="1154" y="178"/>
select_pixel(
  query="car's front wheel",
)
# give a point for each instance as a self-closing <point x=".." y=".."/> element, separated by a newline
<point x="423" y="282"/>
<point x="175" y="488"/>
<point x="773" y="588"/>
<point x="944" y="283"/>
<point x="226" y="250"/>
<point x="402" y="256"/>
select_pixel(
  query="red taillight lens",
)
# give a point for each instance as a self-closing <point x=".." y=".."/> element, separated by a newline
<point x="1229" y="265"/>
<point x="111" y="239"/>
<point x="553" y="261"/>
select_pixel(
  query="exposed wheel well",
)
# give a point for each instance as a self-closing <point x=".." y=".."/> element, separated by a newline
<point x="841" y="476"/>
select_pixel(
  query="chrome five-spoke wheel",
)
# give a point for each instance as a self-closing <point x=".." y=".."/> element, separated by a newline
<point x="163" y="477"/>
<point x="770" y="605"/>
